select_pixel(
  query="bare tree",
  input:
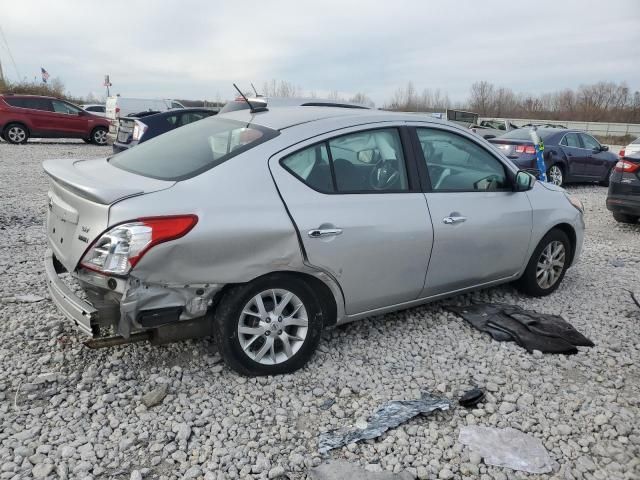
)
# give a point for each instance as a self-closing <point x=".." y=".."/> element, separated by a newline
<point x="482" y="98"/>
<point x="362" y="99"/>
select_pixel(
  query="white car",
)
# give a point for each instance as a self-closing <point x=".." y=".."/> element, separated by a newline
<point x="95" y="109"/>
<point x="632" y="148"/>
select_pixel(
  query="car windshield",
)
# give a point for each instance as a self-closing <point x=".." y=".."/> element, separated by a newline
<point x="188" y="151"/>
<point x="523" y="134"/>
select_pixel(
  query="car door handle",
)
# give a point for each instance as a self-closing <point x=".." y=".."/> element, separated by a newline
<point x="452" y="220"/>
<point x="324" y="232"/>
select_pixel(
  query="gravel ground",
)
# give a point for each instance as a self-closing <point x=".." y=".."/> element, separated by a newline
<point x="70" y="412"/>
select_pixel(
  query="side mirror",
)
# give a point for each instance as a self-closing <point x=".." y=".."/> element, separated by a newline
<point x="604" y="148"/>
<point x="524" y="181"/>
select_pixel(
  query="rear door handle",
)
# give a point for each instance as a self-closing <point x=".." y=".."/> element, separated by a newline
<point x="324" y="232"/>
<point x="452" y="220"/>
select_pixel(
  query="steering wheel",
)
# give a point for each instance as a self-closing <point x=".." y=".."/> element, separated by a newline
<point x="385" y="175"/>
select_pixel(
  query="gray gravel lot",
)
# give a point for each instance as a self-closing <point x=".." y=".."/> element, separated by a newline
<point x="70" y="412"/>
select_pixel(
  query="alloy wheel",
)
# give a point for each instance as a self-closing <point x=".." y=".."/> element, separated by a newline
<point x="555" y="175"/>
<point x="100" y="137"/>
<point x="550" y="264"/>
<point x="16" y="134"/>
<point x="273" y="326"/>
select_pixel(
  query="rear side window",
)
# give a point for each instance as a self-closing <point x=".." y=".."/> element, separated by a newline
<point x="571" y="140"/>
<point x="31" y="103"/>
<point x="15" y="102"/>
<point x="186" y="152"/>
<point x="362" y="162"/>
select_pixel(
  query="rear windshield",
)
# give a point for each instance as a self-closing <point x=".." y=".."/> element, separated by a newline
<point x="188" y="151"/>
<point x="523" y="134"/>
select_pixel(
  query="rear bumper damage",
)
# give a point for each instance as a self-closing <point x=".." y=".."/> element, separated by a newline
<point x="127" y="306"/>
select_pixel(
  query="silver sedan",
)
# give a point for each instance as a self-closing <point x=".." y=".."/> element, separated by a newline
<point x="261" y="228"/>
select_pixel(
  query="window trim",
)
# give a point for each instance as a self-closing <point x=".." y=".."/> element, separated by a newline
<point x="424" y="171"/>
<point x="584" y="145"/>
<point x="407" y="153"/>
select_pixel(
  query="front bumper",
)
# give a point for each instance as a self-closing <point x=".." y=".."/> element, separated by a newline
<point x="83" y="314"/>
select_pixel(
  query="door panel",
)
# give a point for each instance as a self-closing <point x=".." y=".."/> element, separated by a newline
<point x="376" y="245"/>
<point x="577" y="156"/>
<point x="68" y="121"/>
<point x="481" y="227"/>
<point x="490" y="244"/>
<point x="597" y="165"/>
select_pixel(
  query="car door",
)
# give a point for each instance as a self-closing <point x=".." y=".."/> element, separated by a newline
<point x="597" y="163"/>
<point x="359" y="212"/>
<point x="41" y="115"/>
<point x="482" y="228"/>
<point x="577" y="156"/>
<point x="69" y="119"/>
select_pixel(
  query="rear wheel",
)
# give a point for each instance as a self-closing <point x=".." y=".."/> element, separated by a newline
<point x="547" y="265"/>
<point x="625" y="218"/>
<point x="555" y="175"/>
<point x="269" y="326"/>
<point x="16" y="133"/>
<point x="99" y="136"/>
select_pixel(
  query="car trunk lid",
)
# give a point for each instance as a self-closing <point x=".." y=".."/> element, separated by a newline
<point x="79" y="198"/>
<point x="514" y="149"/>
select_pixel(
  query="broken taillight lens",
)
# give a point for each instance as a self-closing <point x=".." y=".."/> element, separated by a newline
<point x="120" y="248"/>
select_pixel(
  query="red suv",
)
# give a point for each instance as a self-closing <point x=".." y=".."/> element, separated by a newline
<point x="24" y="116"/>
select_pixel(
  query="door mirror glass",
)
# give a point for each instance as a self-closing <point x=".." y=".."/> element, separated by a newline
<point x="524" y="181"/>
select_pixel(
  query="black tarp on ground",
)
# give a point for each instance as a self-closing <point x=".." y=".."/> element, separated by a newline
<point x="529" y="329"/>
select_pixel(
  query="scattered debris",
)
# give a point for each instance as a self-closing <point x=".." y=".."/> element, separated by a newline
<point x="23" y="299"/>
<point x="389" y="415"/>
<point x="529" y="329"/>
<point x="343" y="470"/>
<point x="616" y="262"/>
<point x="507" y="447"/>
<point x="471" y="398"/>
<point x="634" y="297"/>
<point x="327" y="404"/>
<point x="155" y="396"/>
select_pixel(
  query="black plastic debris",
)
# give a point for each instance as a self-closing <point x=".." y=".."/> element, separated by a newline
<point x="529" y="329"/>
<point x="471" y="398"/>
<point x="635" y="298"/>
<point x="389" y="415"/>
<point x="327" y="404"/>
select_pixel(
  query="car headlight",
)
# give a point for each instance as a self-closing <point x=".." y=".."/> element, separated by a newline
<point x="575" y="202"/>
<point x="120" y="248"/>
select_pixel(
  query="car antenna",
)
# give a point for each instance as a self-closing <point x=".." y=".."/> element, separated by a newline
<point x="251" y="107"/>
<point x="256" y="91"/>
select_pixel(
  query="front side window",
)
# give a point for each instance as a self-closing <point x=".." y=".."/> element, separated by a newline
<point x="364" y="162"/>
<point x="590" y="143"/>
<point x="63" y="107"/>
<point x="186" y="152"/>
<point x="456" y="163"/>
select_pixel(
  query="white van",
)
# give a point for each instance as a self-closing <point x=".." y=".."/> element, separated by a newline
<point x="117" y="107"/>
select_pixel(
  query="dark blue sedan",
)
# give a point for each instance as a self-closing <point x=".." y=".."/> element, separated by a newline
<point x="569" y="155"/>
<point x="144" y="126"/>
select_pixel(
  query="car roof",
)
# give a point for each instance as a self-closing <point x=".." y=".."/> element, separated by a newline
<point x="280" y="118"/>
<point x="24" y="95"/>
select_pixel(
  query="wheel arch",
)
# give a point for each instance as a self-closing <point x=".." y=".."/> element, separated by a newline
<point x="570" y="232"/>
<point x="326" y="296"/>
<point x="16" y="122"/>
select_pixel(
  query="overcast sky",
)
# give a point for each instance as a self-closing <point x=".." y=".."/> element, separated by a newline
<point x="197" y="49"/>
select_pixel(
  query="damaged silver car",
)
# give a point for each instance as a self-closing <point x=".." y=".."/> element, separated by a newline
<point x="261" y="228"/>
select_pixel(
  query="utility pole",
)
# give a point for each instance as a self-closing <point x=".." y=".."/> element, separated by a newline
<point x="1" y="73"/>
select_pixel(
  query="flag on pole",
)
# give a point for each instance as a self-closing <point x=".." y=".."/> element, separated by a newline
<point x="45" y="75"/>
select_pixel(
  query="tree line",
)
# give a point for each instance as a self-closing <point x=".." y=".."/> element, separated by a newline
<point x="598" y="102"/>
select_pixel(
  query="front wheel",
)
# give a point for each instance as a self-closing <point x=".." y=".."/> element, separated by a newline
<point x="269" y="326"/>
<point x="555" y="175"/>
<point x="99" y="136"/>
<point x="547" y="265"/>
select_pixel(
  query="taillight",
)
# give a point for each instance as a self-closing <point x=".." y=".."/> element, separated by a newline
<point x="525" y="149"/>
<point x="120" y="248"/>
<point x="626" y="167"/>
<point x="621" y="153"/>
<point x="117" y="110"/>
<point x="138" y="129"/>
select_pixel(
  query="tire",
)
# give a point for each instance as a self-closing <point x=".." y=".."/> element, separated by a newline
<point x="248" y="352"/>
<point x="534" y="282"/>
<point x="86" y="140"/>
<point x="605" y="181"/>
<point x="555" y="174"/>
<point x="16" y="133"/>
<point x="625" y="218"/>
<point x="99" y="136"/>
